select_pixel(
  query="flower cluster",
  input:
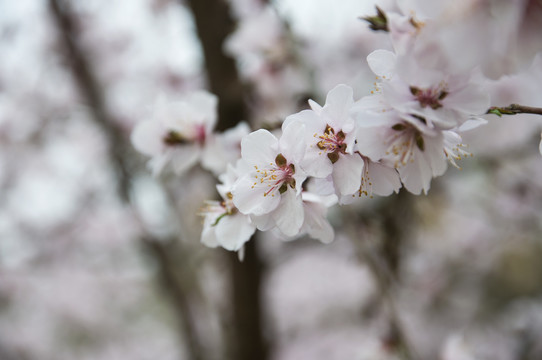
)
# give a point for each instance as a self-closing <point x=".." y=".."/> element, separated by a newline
<point x="181" y="134"/>
<point x="403" y="134"/>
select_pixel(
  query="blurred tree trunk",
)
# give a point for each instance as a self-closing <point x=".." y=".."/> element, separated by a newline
<point x="119" y="154"/>
<point x="214" y="23"/>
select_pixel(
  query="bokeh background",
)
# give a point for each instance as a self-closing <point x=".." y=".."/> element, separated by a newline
<point x="99" y="260"/>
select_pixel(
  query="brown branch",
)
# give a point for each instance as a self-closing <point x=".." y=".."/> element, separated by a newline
<point x="514" y="109"/>
<point x="119" y="151"/>
<point x="393" y="220"/>
<point x="91" y="91"/>
<point x="213" y="24"/>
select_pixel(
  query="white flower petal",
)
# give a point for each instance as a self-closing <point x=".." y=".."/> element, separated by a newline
<point x="347" y="174"/>
<point x="316" y="163"/>
<point x="323" y="186"/>
<point x="205" y="103"/>
<point x="292" y="142"/>
<point x="157" y="163"/>
<point x="472" y="123"/>
<point x="317" y="108"/>
<point x="416" y="176"/>
<point x="435" y="155"/>
<point x="208" y="237"/>
<point x="338" y="104"/>
<point x="382" y="63"/>
<point x="233" y="231"/>
<point x="316" y="224"/>
<point x="472" y="99"/>
<point x="289" y="215"/>
<point x="183" y="157"/>
<point x="147" y="137"/>
<point x="223" y="149"/>
<point x="368" y="107"/>
<point x="259" y="147"/>
<point x="371" y="141"/>
<point x="263" y="222"/>
<point x="385" y="180"/>
<point x="251" y="200"/>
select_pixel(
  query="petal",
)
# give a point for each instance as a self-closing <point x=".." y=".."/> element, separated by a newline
<point x="259" y="147"/>
<point x="434" y="153"/>
<point x="472" y="123"/>
<point x="347" y="174"/>
<point x="372" y="142"/>
<point x="317" y="108"/>
<point x="263" y="222"/>
<point x="157" y="163"/>
<point x="316" y="224"/>
<point x="251" y="200"/>
<point x="147" y="137"/>
<point x="312" y="121"/>
<point x="338" y="103"/>
<point x="289" y="215"/>
<point x="473" y="99"/>
<point x="184" y="157"/>
<point x="368" y="104"/>
<point x="316" y="163"/>
<point x="292" y="143"/>
<point x="323" y="186"/>
<point x="223" y="149"/>
<point x="204" y="103"/>
<point x="385" y="180"/>
<point x="233" y="231"/>
<point x="208" y="237"/>
<point x="416" y="176"/>
<point x="382" y="63"/>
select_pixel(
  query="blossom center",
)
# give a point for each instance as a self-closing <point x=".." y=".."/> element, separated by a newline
<point x="330" y="143"/>
<point x="431" y="97"/>
<point x="173" y="138"/>
<point x="224" y="208"/>
<point x="403" y="142"/>
<point x="278" y="176"/>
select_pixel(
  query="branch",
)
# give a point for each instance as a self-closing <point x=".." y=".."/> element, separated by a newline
<point x="119" y="149"/>
<point x="213" y="24"/>
<point x="514" y="109"/>
<point x="394" y="220"/>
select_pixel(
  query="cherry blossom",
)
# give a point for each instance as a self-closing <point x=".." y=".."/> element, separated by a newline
<point x="315" y="223"/>
<point x="223" y="149"/>
<point x="376" y="179"/>
<point x="409" y="146"/>
<point x="442" y="99"/>
<point x="178" y="131"/>
<point x="223" y="224"/>
<point x="272" y="186"/>
<point x="330" y="137"/>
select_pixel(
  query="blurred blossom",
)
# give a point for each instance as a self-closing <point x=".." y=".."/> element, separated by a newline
<point x="86" y="275"/>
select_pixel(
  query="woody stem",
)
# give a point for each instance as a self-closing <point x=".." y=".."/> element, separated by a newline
<point x="514" y="109"/>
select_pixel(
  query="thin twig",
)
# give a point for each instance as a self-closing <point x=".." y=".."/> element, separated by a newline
<point x="514" y="109"/>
